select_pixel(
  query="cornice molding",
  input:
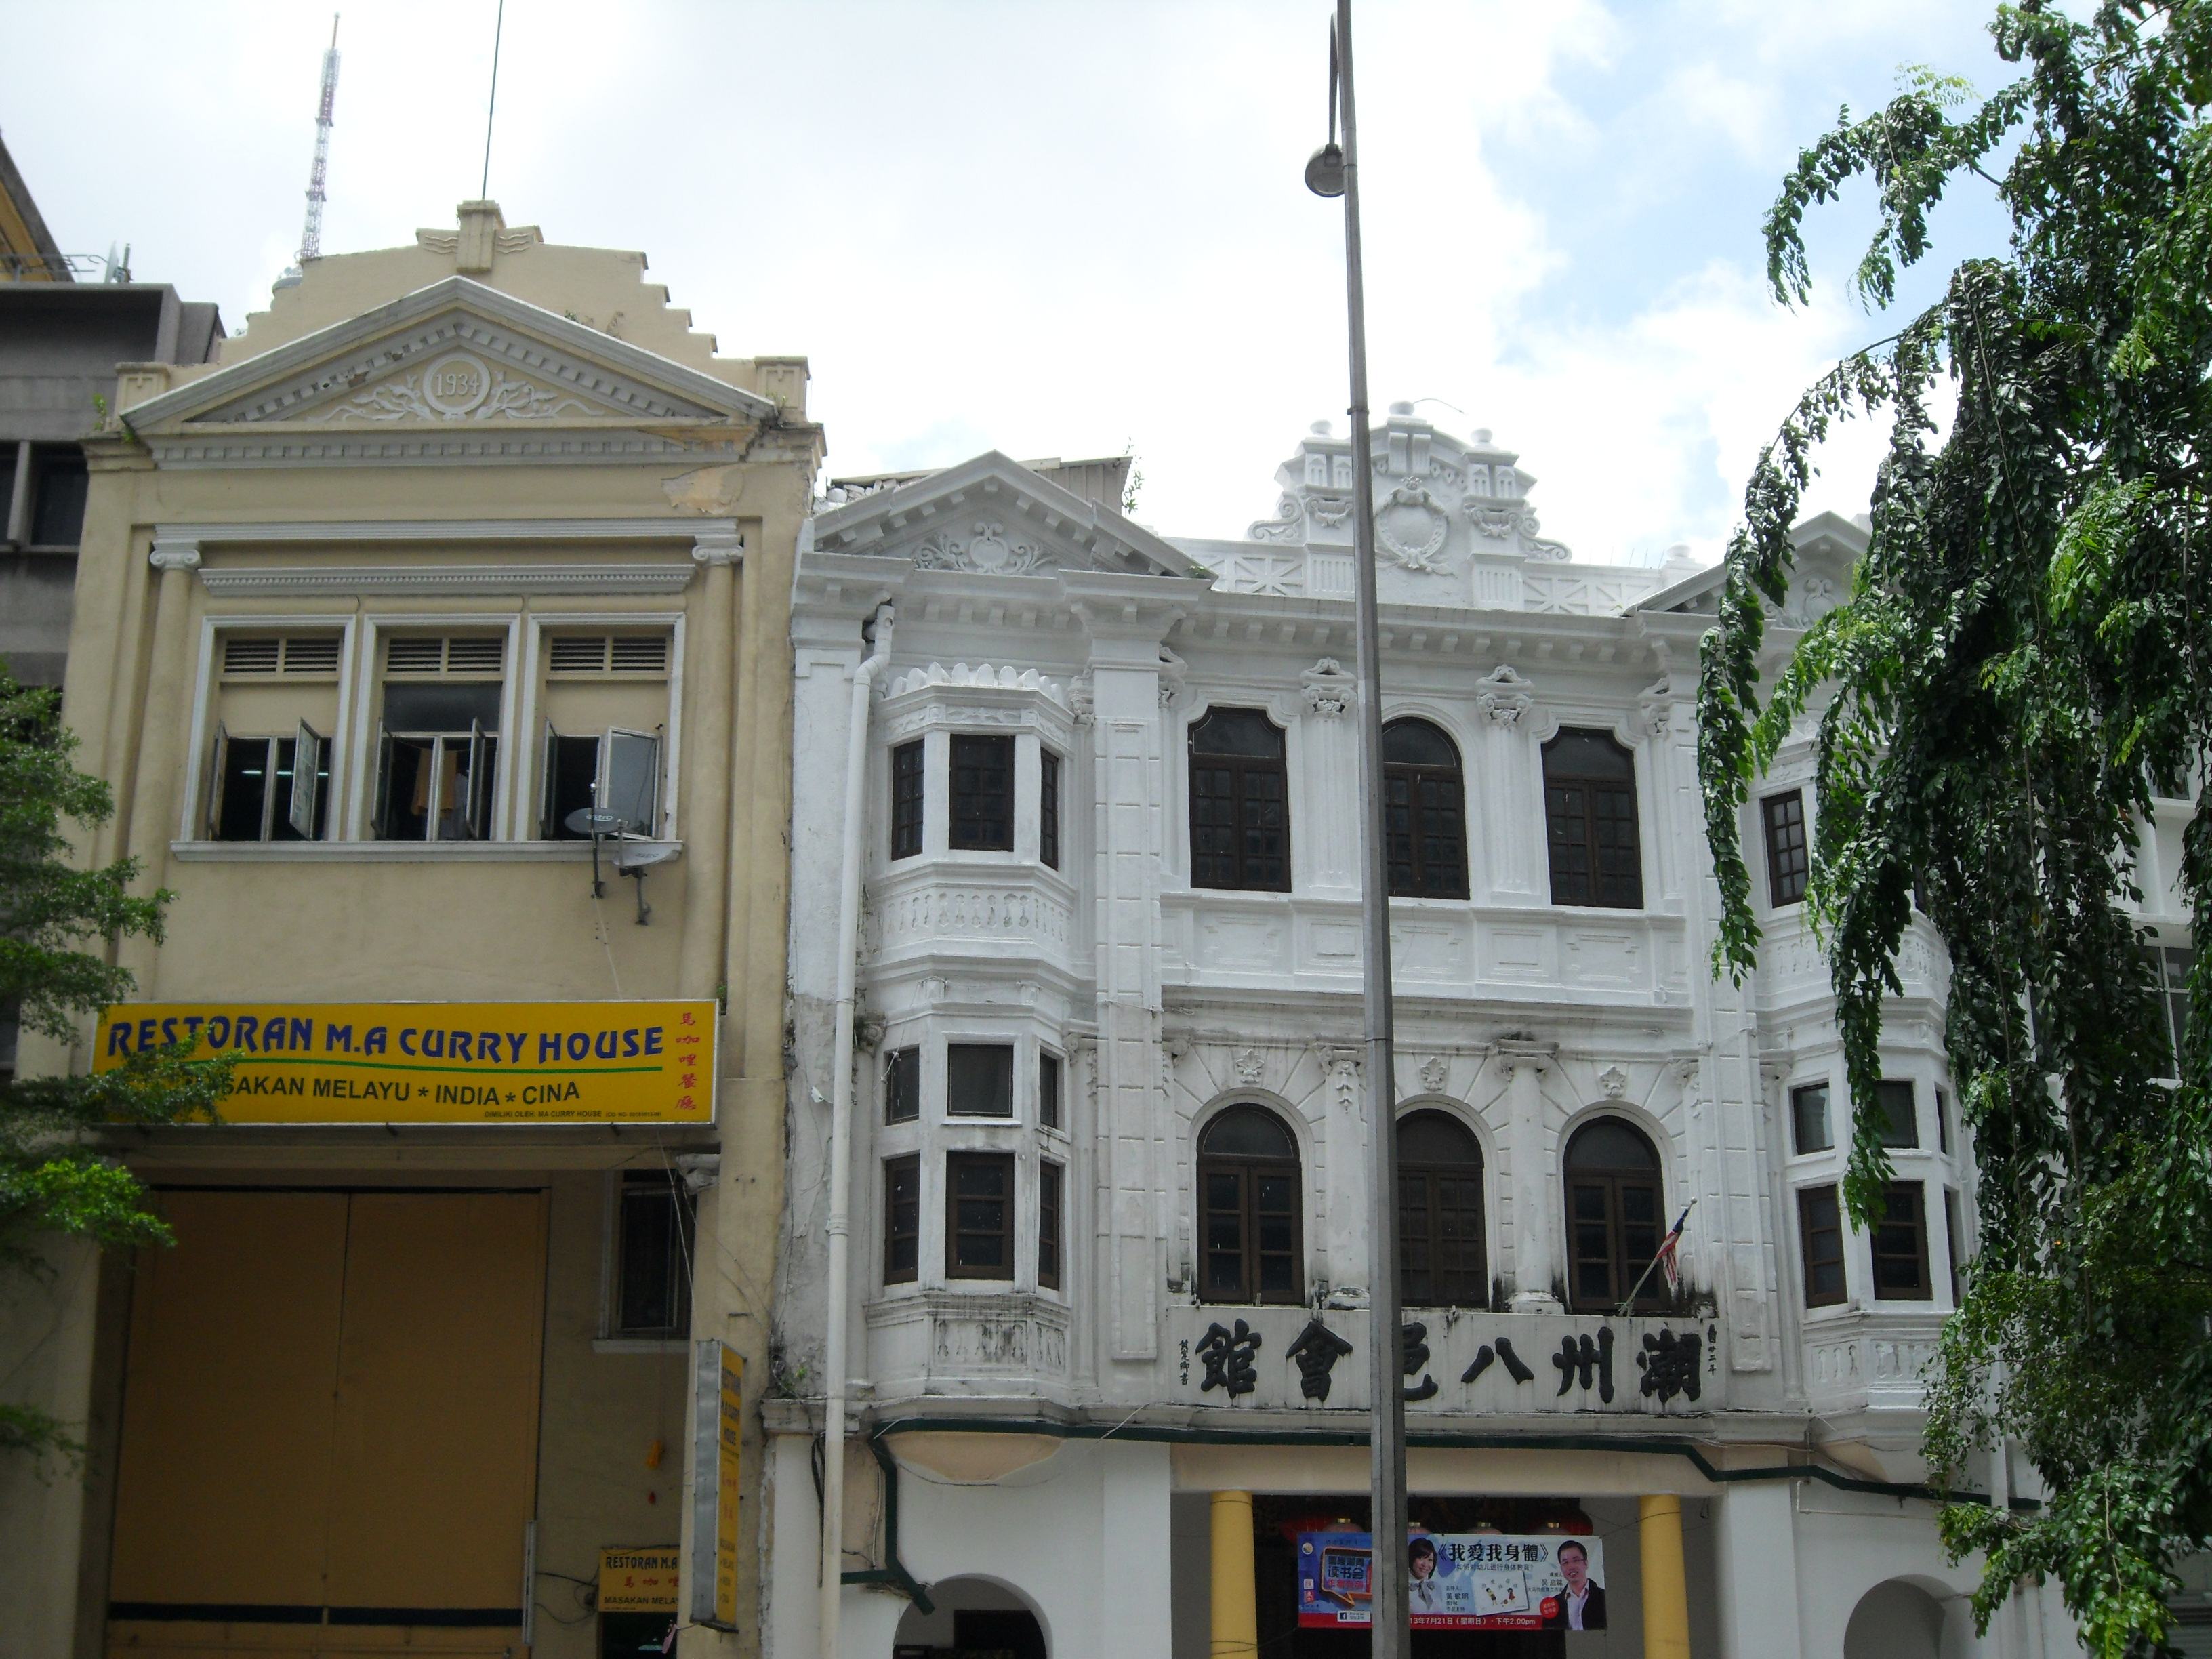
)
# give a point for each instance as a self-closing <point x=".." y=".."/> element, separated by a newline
<point x="589" y="443"/>
<point x="260" y="580"/>
<point x="342" y="531"/>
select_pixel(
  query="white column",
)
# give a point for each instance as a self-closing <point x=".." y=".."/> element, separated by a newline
<point x="1755" y="1550"/>
<point x="1138" y="1534"/>
<point x="1536" y="1227"/>
<point x="1125" y="746"/>
<point x="1326" y="862"/>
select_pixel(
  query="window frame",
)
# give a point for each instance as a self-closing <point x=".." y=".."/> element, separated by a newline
<point x="1413" y="775"/>
<point x="1808" y="1261"/>
<point x="997" y="742"/>
<point x="517" y="701"/>
<point x="1005" y="1046"/>
<point x="1239" y="768"/>
<point x="651" y="1184"/>
<point x="1430" y="1173"/>
<point x="268" y="818"/>
<point x="1886" y="1093"/>
<point x="529" y="786"/>
<point x="1006" y="1231"/>
<point x="202" y="761"/>
<point x="1052" y="1084"/>
<point x="1248" y="1169"/>
<point x="909" y="799"/>
<point x="1051" y="1223"/>
<point x="1923" y="1290"/>
<point x="1789" y="868"/>
<point x="1614" y="1182"/>
<point x="1799" y="1092"/>
<point x="1592" y="847"/>
<point x="1048" y="774"/>
<point x="909" y="1060"/>
<point x="908" y="1165"/>
<point x="1953" y="1239"/>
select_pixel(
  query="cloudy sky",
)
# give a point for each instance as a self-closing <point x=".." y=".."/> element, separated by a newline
<point x="1064" y="228"/>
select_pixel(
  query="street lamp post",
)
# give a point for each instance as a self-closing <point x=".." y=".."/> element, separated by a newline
<point x="1334" y="172"/>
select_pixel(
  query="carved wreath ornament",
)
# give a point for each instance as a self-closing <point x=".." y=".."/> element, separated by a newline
<point x="987" y="553"/>
<point x="460" y="388"/>
<point x="1411" y="528"/>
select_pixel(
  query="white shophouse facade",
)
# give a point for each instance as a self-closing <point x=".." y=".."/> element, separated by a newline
<point x="1108" y="1090"/>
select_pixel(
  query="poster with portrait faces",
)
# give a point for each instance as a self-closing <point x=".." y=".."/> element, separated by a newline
<point x="1459" y="1581"/>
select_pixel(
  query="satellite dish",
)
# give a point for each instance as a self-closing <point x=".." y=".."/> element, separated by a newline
<point x="591" y="821"/>
<point x="636" y="855"/>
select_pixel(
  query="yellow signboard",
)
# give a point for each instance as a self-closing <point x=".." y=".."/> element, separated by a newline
<point x="440" y="1062"/>
<point x="717" y="1420"/>
<point x="638" y="1581"/>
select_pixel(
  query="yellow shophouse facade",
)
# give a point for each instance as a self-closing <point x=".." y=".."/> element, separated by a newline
<point x="435" y="642"/>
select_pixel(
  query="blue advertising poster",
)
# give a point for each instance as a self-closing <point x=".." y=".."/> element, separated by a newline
<point x="1459" y="1581"/>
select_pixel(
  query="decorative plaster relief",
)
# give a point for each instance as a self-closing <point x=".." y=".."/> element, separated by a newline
<point x="1613" y="1081"/>
<point x="1410" y="527"/>
<point x="1328" y="689"/>
<point x="988" y="552"/>
<point x="1434" y="1074"/>
<point x="1287" y="526"/>
<point x="461" y="386"/>
<point x="1504" y="695"/>
<point x="1249" y="1066"/>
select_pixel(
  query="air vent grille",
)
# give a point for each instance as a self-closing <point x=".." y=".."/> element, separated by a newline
<point x="601" y="653"/>
<point x="311" y="653"/>
<point x="483" y="655"/>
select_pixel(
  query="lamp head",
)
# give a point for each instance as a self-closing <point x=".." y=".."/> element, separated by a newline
<point x="1325" y="170"/>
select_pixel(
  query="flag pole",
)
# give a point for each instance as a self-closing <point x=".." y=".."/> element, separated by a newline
<point x="1674" y="1235"/>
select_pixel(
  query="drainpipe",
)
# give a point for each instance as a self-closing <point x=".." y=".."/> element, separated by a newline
<point x="840" y="1136"/>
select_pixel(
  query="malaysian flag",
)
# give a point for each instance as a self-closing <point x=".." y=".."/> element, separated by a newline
<point x="1667" y="1256"/>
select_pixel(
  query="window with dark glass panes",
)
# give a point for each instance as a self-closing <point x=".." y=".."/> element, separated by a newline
<point x="268" y="776"/>
<point x="653" y="1255"/>
<point x="1049" y="809"/>
<point x="902" y="1085"/>
<point x="2169" y="970"/>
<point x="979" y="1080"/>
<point x="438" y="737"/>
<point x="1820" y="1240"/>
<point x="1614" y="1225"/>
<point x="1953" y="1239"/>
<point x="1589" y="820"/>
<point x="1901" y="1117"/>
<point x="1240" y="816"/>
<point x="979" y="1223"/>
<point x="1049" y="1090"/>
<point x="1248" y="1223"/>
<point x="1049" y="1229"/>
<point x="982" y="793"/>
<point x="1900" y="1245"/>
<point x="1789" y="862"/>
<point x="1943" y="1121"/>
<point x="906" y="800"/>
<point x="901" y="1218"/>
<point x="1440" y="1234"/>
<point x="1809" y="1119"/>
<point x="1425" y="809"/>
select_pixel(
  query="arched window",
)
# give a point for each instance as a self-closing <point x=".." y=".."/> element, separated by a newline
<point x="1614" y="1225"/>
<point x="1589" y="817"/>
<point x="1424" y="796"/>
<point x="1440" y="1253"/>
<point x="1247" y="1191"/>
<point x="1240" y="812"/>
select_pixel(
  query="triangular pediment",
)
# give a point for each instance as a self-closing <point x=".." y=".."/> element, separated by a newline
<point x="454" y="354"/>
<point x="992" y="516"/>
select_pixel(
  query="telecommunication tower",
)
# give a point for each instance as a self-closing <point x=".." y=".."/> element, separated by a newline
<point x="310" y="239"/>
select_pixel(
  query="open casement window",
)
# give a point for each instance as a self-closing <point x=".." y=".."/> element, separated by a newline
<point x="265" y="772"/>
<point x="1614" y="1217"/>
<point x="438" y="738"/>
<point x="269" y="788"/>
<point x="1424" y="804"/>
<point x="1589" y="820"/>
<point x="1240" y="812"/>
<point x="1248" y="1220"/>
<point x="617" y="771"/>
<point x="1440" y="1233"/>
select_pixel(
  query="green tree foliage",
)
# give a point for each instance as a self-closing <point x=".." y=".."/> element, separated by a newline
<point x="56" y="922"/>
<point x="2024" y="662"/>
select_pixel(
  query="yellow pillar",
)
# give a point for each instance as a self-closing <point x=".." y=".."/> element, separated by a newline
<point x="1665" y="1588"/>
<point x="1236" y="1599"/>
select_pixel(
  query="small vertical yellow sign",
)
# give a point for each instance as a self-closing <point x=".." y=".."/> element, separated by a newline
<point x="717" y="1428"/>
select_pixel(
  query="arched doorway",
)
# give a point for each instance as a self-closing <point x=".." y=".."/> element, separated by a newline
<point x="1895" y="1620"/>
<point x="973" y="1615"/>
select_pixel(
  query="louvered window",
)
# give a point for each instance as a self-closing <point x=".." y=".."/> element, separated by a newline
<point x="466" y="654"/>
<point x="291" y="653"/>
<point x="604" y="653"/>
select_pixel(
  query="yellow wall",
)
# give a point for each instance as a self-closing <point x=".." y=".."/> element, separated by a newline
<point x="360" y="927"/>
